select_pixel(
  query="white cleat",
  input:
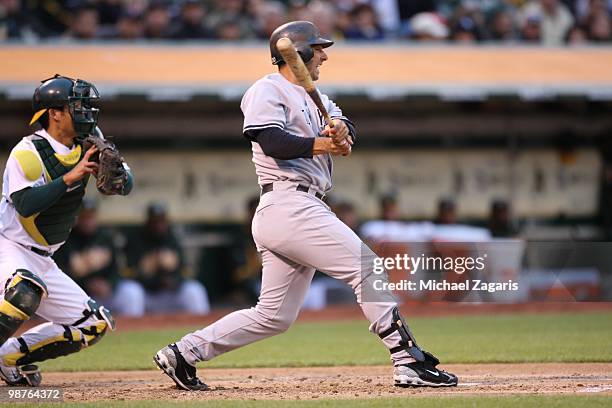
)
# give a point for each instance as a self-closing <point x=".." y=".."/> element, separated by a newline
<point x="422" y="374"/>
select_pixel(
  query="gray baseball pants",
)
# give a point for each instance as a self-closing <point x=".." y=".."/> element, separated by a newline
<point x="295" y="233"/>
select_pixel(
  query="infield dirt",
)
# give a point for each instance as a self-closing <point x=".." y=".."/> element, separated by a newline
<point x="334" y="382"/>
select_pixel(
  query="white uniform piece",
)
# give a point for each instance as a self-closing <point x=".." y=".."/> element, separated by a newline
<point x="15" y="179"/>
<point x="66" y="301"/>
<point x="295" y="232"/>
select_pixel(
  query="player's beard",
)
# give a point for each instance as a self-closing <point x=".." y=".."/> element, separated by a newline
<point x="314" y="72"/>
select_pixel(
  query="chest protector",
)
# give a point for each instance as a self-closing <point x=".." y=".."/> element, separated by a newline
<point x="55" y="223"/>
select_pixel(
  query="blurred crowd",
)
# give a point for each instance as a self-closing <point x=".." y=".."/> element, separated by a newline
<point x="549" y="22"/>
<point x="391" y="223"/>
<point x="135" y="273"/>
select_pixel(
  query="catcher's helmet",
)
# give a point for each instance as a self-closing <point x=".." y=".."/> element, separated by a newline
<point x="303" y="34"/>
<point x="78" y="95"/>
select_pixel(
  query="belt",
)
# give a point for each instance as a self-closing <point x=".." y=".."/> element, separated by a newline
<point x="37" y="251"/>
<point x="40" y="252"/>
<point x="266" y="188"/>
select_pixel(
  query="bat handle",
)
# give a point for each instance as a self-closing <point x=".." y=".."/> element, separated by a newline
<point x="329" y="120"/>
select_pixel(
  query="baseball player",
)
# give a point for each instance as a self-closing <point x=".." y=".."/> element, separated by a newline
<point x="295" y="231"/>
<point x="43" y="186"/>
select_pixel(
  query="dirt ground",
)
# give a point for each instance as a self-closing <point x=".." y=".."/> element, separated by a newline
<point x="334" y="382"/>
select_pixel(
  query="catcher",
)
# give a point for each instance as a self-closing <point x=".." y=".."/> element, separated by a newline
<point x="43" y="186"/>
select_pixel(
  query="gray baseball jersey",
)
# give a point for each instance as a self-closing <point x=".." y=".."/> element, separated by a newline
<point x="295" y="232"/>
<point x="273" y="101"/>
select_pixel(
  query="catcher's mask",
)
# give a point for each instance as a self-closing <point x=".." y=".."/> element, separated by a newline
<point x="80" y="97"/>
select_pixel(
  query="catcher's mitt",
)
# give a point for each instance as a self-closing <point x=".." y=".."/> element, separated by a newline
<point x="112" y="175"/>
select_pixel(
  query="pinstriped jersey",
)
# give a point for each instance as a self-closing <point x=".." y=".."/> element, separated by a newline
<point x="273" y="101"/>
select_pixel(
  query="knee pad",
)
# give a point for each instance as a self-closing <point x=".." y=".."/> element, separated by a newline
<point x="22" y="297"/>
<point x="99" y="312"/>
<point x="94" y="323"/>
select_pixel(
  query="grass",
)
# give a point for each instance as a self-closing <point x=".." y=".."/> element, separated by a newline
<point x="538" y="401"/>
<point x="585" y="337"/>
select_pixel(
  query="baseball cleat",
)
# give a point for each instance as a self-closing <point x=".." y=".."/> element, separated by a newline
<point x="27" y="375"/>
<point x="171" y="362"/>
<point x="422" y="374"/>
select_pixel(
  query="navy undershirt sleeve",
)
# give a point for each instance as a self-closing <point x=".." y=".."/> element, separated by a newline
<point x="281" y="145"/>
<point x="351" y="128"/>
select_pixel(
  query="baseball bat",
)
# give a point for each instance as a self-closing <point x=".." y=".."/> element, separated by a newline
<point x="297" y="66"/>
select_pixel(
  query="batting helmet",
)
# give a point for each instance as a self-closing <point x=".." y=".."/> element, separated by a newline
<point x="303" y="35"/>
<point x="78" y="95"/>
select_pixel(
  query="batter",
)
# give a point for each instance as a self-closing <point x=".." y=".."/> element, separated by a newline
<point x="295" y="231"/>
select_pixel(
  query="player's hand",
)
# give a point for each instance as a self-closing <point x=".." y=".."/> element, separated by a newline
<point x="339" y="133"/>
<point x="326" y="145"/>
<point x="343" y="149"/>
<point x="83" y="168"/>
<point x="345" y="145"/>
